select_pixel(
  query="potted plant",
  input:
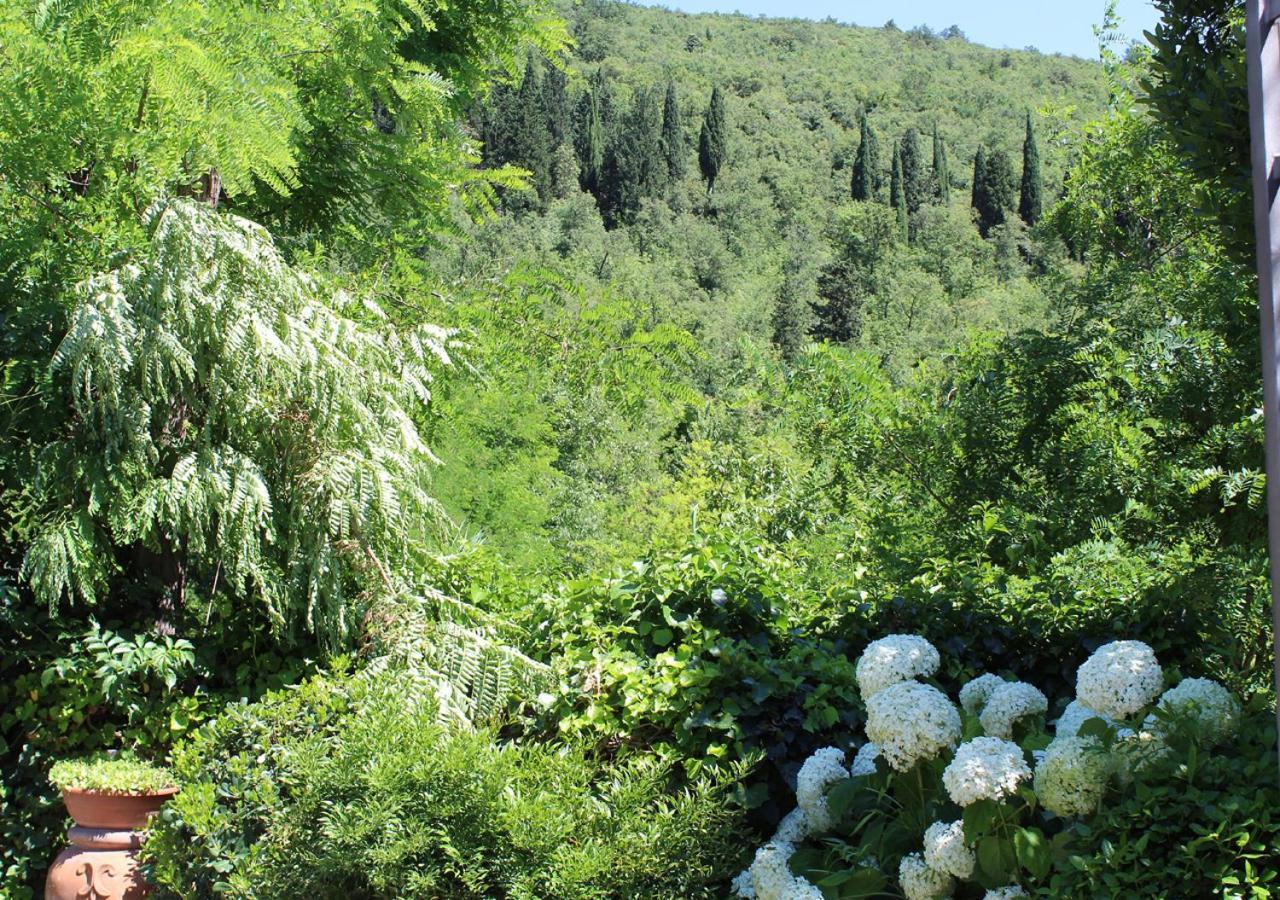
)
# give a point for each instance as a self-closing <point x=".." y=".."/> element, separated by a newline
<point x="111" y="799"/>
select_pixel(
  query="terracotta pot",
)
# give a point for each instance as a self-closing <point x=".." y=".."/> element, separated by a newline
<point x="114" y="812"/>
<point x="102" y="861"/>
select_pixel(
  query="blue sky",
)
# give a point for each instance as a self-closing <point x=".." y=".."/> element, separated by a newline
<point x="1053" y="27"/>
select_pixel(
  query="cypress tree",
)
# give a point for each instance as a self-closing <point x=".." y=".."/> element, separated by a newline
<point x="915" y="182"/>
<point x="866" y="165"/>
<point x="977" y="197"/>
<point x="1030" y="201"/>
<point x="633" y="166"/>
<point x="712" y="140"/>
<point x="791" y="308"/>
<point x="530" y="140"/>
<point x="941" y="177"/>
<point x="589" y="143"/>
<point x="673" y="148"/>
<point x="999" y="191"/>
<point x="555" y="100"/>
<point x="897" y="191"/>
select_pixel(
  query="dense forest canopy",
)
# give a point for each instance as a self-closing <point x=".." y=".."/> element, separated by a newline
<point x="514" y="449"/>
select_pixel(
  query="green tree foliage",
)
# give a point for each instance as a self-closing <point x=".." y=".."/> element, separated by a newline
<point x="995" y="190"/>
<point x="941" y="175"/>
<point x="979" y="176"/>
<point x="713" y="140"/>
<point x="864" y="237"/>
<point x="867" y="177"/>
<point x="589" y="142"/>
<point x="673" y="143"/>
<point x="898" y="190"/>
<point x="792" y="310"/>
<point x="185" y="468"/>
<point x="1196" y="86"/>
<point x="1030" y="197"/>
<point x="634" y="164"/>
<point x="916" y="186"/>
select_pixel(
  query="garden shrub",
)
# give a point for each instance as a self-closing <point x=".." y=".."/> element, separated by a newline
<point x="1207" y="827"/>
<point x="348" y="787"/>
<point x="1134" y="791"/>
<point x="710" y="654"/>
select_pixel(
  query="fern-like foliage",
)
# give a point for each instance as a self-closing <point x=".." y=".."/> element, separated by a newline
<point x="462" y="656"/>
<point x="310" y="113"/>
<point x="230" y="420"/>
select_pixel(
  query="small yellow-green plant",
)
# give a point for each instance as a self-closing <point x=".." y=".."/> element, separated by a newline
<point x="110" y="775"/>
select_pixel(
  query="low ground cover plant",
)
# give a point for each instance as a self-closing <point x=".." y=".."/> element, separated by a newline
<point x="110" y="775"/>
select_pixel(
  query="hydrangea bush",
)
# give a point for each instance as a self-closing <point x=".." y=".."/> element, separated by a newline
<point x="978" y="798"/>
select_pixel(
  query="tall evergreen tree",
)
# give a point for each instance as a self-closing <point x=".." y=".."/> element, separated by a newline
<point x="867" y="178"/>
<point x="941" y="176"/>
<point x="792" y="307"/>
<point x="589" y="142"/>
<point x="999" y="191"/>
<point x="915" y="178"/>
<point x="712" y="142"/>
<point x="1031" y="201"/>
<point x="530" y="140"/>
<point x="555" y="100"/>
<point x="673" y="146"/>
<point x="897" y="191"/>
<point x="633" y="167"/>
<point x="979" y="176"/>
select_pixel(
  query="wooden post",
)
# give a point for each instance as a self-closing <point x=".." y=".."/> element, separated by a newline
<point x="1262" y="45"/>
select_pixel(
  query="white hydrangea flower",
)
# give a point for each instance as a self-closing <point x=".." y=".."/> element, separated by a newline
<point x="898" y="657"/>
<point x="975" y="693"/>
<point x="985" y="768"/>
<point x="945" y="849"/>
<point x="864" y="762"/>
<point x="1075" y="715"/>
<point x="793" y="828"/>
<point x="771" y="876"/>
<point x="919" y="882"/>
<point x="1204" y="700"/>
<point x="1072" y="777"/>
<point x="741" y="885"/>
<point x="821" y="770"/>
<point x="1005" y="893"/>
<point x="911" y="721"/>
<point x="1007" y="704"/>
<point x="1119" y="679"/>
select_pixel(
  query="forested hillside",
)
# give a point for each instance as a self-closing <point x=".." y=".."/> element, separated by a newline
<point x="505" y="449"/>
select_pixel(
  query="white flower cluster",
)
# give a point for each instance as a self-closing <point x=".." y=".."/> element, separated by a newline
<point x="772" y="879"/>
<point x="1007" y="704"/>
<point x="898" y="657"/>
<point x="920" y="882"/>
<point x="821" y="770"/>
<point x="1073" y="775"/>
<point x="1208" y="703"/>
<point x="985" y="768"/>
<point x="911" y="721"/>
<point x="946" y="851"/>
<point x="1119" y="679"/>
<point x="1005" y="893"/>
<point x="864" y="762"/>
<point x="973" y="696"/>
<point x="1075" y="715"/>
<point x="793" y="828"/>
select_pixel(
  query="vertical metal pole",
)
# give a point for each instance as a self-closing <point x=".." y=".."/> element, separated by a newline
<point x="1262" y="44"/>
